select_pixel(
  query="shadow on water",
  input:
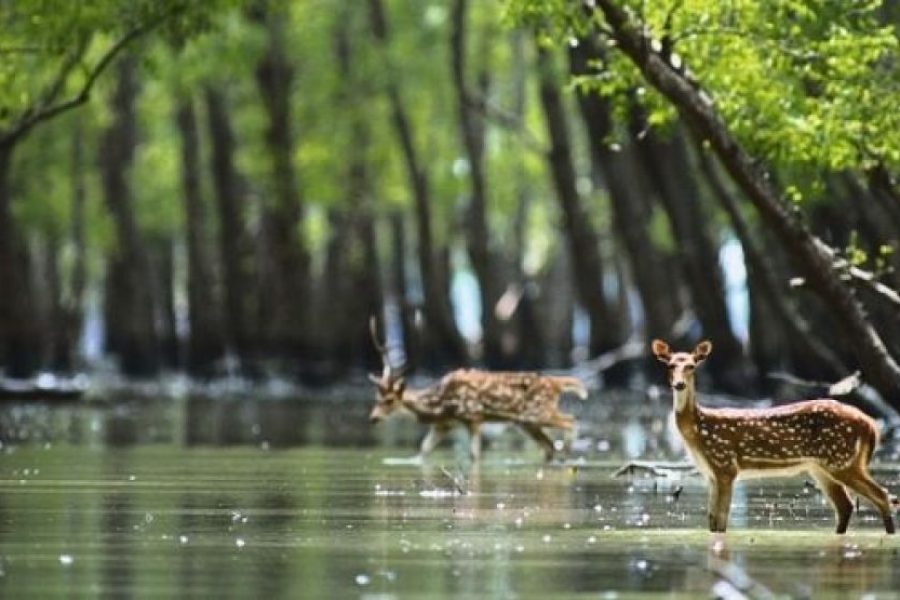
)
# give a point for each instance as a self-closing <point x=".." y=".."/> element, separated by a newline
<point x="301" y="497"/>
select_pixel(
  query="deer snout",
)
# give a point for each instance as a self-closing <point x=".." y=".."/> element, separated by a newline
<point x="375" y="415"/>
<point x="679" y="385"/>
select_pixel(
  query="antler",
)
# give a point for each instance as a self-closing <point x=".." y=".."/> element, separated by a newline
<point x="385" y="359"/>
<point x="389" y="372"/>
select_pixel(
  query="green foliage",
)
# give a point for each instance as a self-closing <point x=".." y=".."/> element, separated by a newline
<point x="51" y="48"/>
<point x="809" y="85"/>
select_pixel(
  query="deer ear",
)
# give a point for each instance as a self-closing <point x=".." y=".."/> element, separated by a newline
<point x="399" y="384"/>
<point x="661" y="350"/>
<point x="702" y="351"/>
<point x="374" y="379"/>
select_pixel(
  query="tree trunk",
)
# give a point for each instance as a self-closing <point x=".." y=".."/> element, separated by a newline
<point x="361" y="265"/>
<point x="74" y="308"/>
<point x="19" y="332"/>
<point x="816" y="260"/>
<point x="162" y="261"/>
<point x="670" y="176"/>
<point x="284" y="294"/>
<point x="606" y="332"/>
<point x="205" y="343"/>
<point x="130" y="330"/>
<point x="631" y="216"/>
<point x="441" y="339"/>
<point x="766" y="286"/>
<point x="398" y="280"/>
<point x="478" y="238"/>
<point x="234" y="246"/>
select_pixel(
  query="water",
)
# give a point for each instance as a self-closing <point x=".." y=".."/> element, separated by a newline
<point x="300" y="498"/>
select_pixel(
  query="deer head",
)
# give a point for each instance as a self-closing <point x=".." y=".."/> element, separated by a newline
<point x="681" y="365"/>
<point x="391" y="383"/>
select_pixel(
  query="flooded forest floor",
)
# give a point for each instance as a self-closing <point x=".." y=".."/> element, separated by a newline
<point x="249" y="495"/>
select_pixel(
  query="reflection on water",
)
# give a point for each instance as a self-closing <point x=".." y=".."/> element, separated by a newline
<point x="298" y="498"/>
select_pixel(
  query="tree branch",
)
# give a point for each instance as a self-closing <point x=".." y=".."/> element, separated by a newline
<point x="50" y="109"/>
<point x="507" y="120"/>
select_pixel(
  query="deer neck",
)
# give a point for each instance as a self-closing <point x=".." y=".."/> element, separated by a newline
<point x="685" y="402"/>
<point x="687" y="416"/>
<point x="416" y="402"/>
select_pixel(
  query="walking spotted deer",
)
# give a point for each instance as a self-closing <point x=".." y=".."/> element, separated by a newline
<point x="829" y="440"/>
<point x="471" y="397"/>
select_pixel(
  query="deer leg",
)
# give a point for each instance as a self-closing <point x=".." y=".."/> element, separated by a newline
<point x="475" y="440"/>
<point x="861" y="483"/>
<point x="432" y="439"/>
<point x="840" y="500"/>
<point x="719" y="502"/>
<point x="538" y="435"/>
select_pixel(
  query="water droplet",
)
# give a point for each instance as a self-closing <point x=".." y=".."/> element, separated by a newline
<point x="183" y="539"/>
<point x="500" y="506"/>
<point x="240" y="543"/>
<point x="362" y="579"/>
<point x="546" y="539"/>
<point x="598" y="508"/>
<point x="592" y="540"/>
<point x="66" y="559"/>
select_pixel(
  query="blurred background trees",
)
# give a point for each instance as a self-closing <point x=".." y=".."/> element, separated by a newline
<point x="508" y="184"/>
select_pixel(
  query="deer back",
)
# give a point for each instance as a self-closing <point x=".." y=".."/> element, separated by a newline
<point x="483" y="395"/>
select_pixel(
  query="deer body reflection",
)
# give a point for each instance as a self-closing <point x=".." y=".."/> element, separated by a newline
<point x="830" y="441"/>
<point x="471" y="397"/>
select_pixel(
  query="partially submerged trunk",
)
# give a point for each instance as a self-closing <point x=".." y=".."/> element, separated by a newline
<point x="587" y="265"/>
<point x="811" y="254"/>
<point x="129" y="311"/>
<point x="205" y="342"/>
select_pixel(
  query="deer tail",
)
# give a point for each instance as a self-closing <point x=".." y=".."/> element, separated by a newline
<point x="869" y="441"/>
<point x="574" y="385"/>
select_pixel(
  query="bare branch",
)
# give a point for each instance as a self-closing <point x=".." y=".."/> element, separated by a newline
<point x="869" y="280"/>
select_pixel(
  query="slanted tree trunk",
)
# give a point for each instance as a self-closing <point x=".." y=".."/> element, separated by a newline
<point x="285" y="292"/>
<point x="478" y="238"/>
<point x="20" y="339"/>
<point x="765" y="285"/>
<point x="205" y="345"/>
<point x="670" y="175"/>
<point x="631" y="215"/>
<point x="234" y="246"/>
<point x="441" y="339"/>
<point x="587" y="265"/>
<point x="816" y="259"/>
<point x="130" y="330"/>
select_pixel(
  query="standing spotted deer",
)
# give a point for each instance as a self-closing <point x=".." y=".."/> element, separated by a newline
<point x="471" y="397"/>
<point x="831" y="441"/>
